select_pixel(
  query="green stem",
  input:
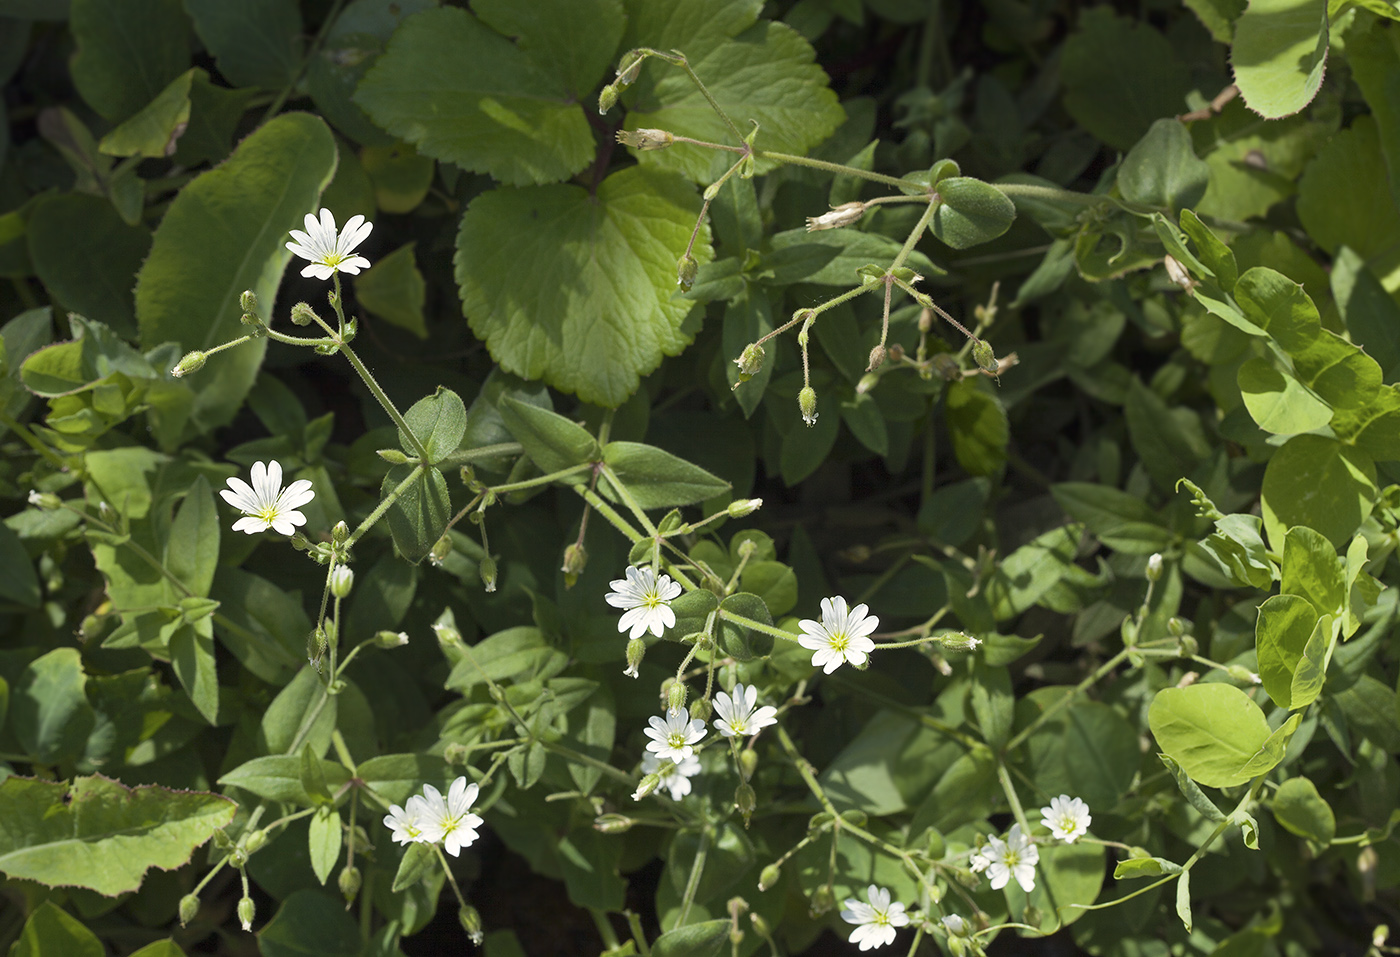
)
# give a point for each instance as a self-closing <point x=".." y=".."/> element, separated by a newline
<point x="384" y="505"/>
<point x="609" y="513"/>
<point x="1009" y="790"/>
<point x="467" y="456"/>
<point x="384" y="401"/>
<point x="915" y="233"/>
<point x="29" y="439"/>
<point x="692" y="884"/>
<point x="542" y="479"/>
<point x="840" y="169"/>
<point x="627" y="498"/>
<point x="737" y="619"/>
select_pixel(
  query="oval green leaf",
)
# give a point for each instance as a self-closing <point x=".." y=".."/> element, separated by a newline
<point x="1212" y="730"/>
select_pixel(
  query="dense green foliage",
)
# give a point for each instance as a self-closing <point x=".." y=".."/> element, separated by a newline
<point x="1063" y="336"/>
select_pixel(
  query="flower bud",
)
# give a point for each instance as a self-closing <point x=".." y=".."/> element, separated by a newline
<point x="575" y="560"/>
<point x="303" y="314"/>
<point x="769" y="876"/>
<point x="342" y="578"/>
<point x="743" y="507"/>
<point x="925" y="320"/>
<point x="613" y="823"/>
<point x="807" y="405"/>
<point x="955" y="925"/>
<point x="192" y="362"/>
<point x="867" y="382"/>
<point x="877" y="358"/>
<point x="959" y="641"/>
<point x="254" y="841"/>
<point x="760" y="925"/>
<point x="628" y="67"/>
<point x="189" y="907"/>
<point x="248" y="301"/>
<point x="1187" y="645"/>
<point x="745" y="801"/>
<point x="340" y="533"/>
<point x="686" y="271"/>
<point x="676" y="696"/>
<point x="636" y="650"/>
<point x="648" y="785"/>
<point x="607" y="99"/>
<point x="701" y="708"/>
<point x="750" y="361"/>
<point x="349" y="882"/>
<point x="645" y="139"/>
<point x="238" y="857"/>
<point x="935" y="847"/>
<point x="470" y="920"/>
<point x="855" y="817"/>
<point x="392" y="456"/>
<point x="896" y="353"/>
<point x="748" y="763"/>
<point x="248" y="319"/>
<point x="486" y="568"/>
<point x="821" y="901"/>
<point x="390" y="639"/>
<point x="747" y="548"/>
<point x="1242" y="674"/>
<point x="1154" y="567"/>
<point x="1176" y="627"/>
<point x="839" y="216"/>
<point x="246" y="911"/>
<point x="441" y="549"/>
<point x="447" y="634"/>
<point x="985" y="358"/>
<point x="48" y="501"/>
<point x="1177" y="273"/>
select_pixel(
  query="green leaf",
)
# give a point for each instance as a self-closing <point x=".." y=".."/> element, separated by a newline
<point x="552" y="442"/>
<point x="1025" y="575"/>
<point x="1183" y="899"/>
<point x="127" y="51"/>
<point x="1162" y="168"/>
<point x="160" y="948"/>
<point x="658" y="479"/>
<point x="1218" y="16"/>
<point x="1170" y="442"/>
<point x="1368" y="310"/>
<point x="260" y="624"/>
<point x="1280" y="54"/>
<point x="773" y="582"/>
<point x="1373" y="60"/>
<point x="85" y="255"/>
<point x="439" y="421"/>
<point x="192" y="550"/>
<point x="805" y="449"/>
<point x="1285" y="624"/>
<point x="1121" y="521"/>
<point x="418" y="862"/>
<point x="526" y="764"/>
<point x="20" y="582"/>
<point x="1277" y="401"/>
<point x="324" y="841"/>
<point x="396" y="776"/>
<point x="400" y="176"/>
<point x="1335" y="216"/>
<point x="517" y="655"/>
<point x="153" y="131"/>
<point x="606" y="316"/>
<point x="574" y="39"/>
<point x="992" y="703"/>
<point x="1270" y="753"/>
<point x="311" y="922"/>
<point x="256" y="42"/>
<point x="1193" y="794"/>
<point x="1318" y="482"/>
<point x="972" y="212"/>
<point x="1120" y="76"/>
<point x="1375" y="429"/>
<point x="283" y="719"/>
<point x="419" y="516"/>
<point x="1072" y="878"/>
<point x="863" y="417"/>
<point x="1370" y="710"/>
<point x="1088" y="750"/>
<point x="1145" y="867"/>
<point x="224" y="233"/>
<point x="278" y="777"/>
<point x="52" y="932"/>
<point x="1212" y="730"/>
<point x="192" y="657"/>
<point x="460" y="92"/>
<point x="953" y="512"/>
<point x="1312" y="569"/>
<point x="737" y="640"/>
<point x="49" y="710"/>
<point x="757" y="70"/>
<point x="978" y="426"/>
<point x="393" y="289"/>
<point x="100" y="834"/>
<point x="1300" y="810"/>
<point x="830" y="258"/>
<point x="706" y="939"/>
<point x="1211" y="250"/>
<point x="214" y="115"/>
<point x="589" y="862"/>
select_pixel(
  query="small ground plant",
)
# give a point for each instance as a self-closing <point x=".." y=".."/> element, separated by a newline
<point x="720" y="477"/>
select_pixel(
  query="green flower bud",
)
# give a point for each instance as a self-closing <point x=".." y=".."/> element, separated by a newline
<point x="838" y="216"/>
<point x="247" y="910"/>
<point x="45" y="500"/>
<point x="1242" y="674"/>
<point x="255" y="841"/>
<point x="686" y="271"/>
<point x="342" y="579"/>
<point x="486" y="568"/>
<point x="769" y="876"/>
<point x="649" y="784"/>
<point x="701" y="708"/>
<point x="743" y="507"/>
<point x="858" y="818"/>
<point x="645" y="139"/>
<point x="985" y="358"/>
<point x="959" y="641"/>
<point x="935" y="847"/>
<point x="760" y="925"/>
<point x="238" y="858"/>
<point x="636" y="650"/>
<point x="392" y="456"/>
<point x="189" y="908"/>
<point x="441" y="549"/>
<point x="745" y="801"/>
<point x="192" y="362"/>
<point x="946" y="367"/>
<point x="248" y="302"/>
<point x="607" y="99"/>
<point x="1154" y="567"/>
<point x="390" y="639"/>
<point x="676" y="696"/>
<point x="471" y="923"/>
<point x="877" y="358"/>
<point x="955" y="926"/>
<point x="750" y="361"/>
<point x="613" y="823"/>
<point x="447" y="635"/>
<point x="748" y="763"/>
<point x="575" y="560"/>
<point x="349" y="883"/>
<point x="821" y="901"/>
<point x="867" y="382"/>
<point x="340" y="533"/>
<point x="628" y="67"/>
<point x="303" y="314"/>
<point x="807" y="405"/>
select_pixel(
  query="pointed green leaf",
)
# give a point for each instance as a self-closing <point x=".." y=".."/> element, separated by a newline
<point x="706" y="939"/>
<point x="393" y="289"/>
<point x="418" y="861"/>
<point x="278" y="777"/>
<point x="1271" y="752"/>
<point x="552" y="442"/>
<point x="1121" y="521"/>
<point x="192" y="657"/>
<point x="1279" y="57"/>
<point x="1183" y="899"/>
<point x="20" y="582"/>
<point x="396" y="776"/>
<point x="49" y="710"/>
<point x="830" y="257"/>
<point x="439" y="421"/>
<point x="85" y="256"/>
<point x="311" y="922"/>
<point x="1281" y="634"/>
<point x="1211" y="250"/>
<point x="192" y="551"/>
<point x="1193" y="794"/>
<point x="658" y="479"/>
<point x="324" y="841"/>
<point x="1162" y="168"/>
<point x="153" y="132"/>
<point x="419" y="516"/>
<point x="52" y="932"/>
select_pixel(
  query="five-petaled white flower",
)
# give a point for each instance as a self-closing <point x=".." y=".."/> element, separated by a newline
<point x="405" y="821"/>
<point x="737" y="715"/>
<point x="330" y="253"/>
<point x="877" y="919"/>
<point x="1015" y="857"/>
<point x="449" y="819"/>
<point x="841" y="636"/>
<point x="674" y="736"/>
<point x="647" y="600"/>
<point x="266" y="504"/>
<point x="675" y="776"/>
<point x="1067" y="818"/>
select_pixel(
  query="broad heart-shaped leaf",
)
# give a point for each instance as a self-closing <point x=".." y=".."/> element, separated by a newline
<point x="1162" y="168"/>
<point x="420" y="515"/>
<point x="1212" y="730"/>
<point x="1120" y="76"/>
<point x="658" y="479"/>
<point x="1277" y="401"/>
<point x="1301" y="810"/>
<point x="127" y="51"/>
<point x="100" y="834"/>
<point x="85" y="256"/>
<point x="552" y="442"/>
<point x="765" y="74"/>
<point x="438" y="421"/>
<point x="224" y="233"/>
<point x="256" y="42"/>
<point x="460" y="92"/>
<point x="311" y="922"/>
<point x="706" y="939"/>
<point x="1281" y="634"/>
<point x="153" y="131"/>
<point x="585" y="304"/>
<point x="1280" y="54"/>
<point x="51" y="931"/>
<point x="1318" y="482"/>
<point x="972" y="212"/>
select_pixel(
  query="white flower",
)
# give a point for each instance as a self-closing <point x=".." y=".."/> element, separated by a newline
<point x="406" y="821"/>
<point x="737" y="715"/>
<point x="674" y="736"/>
<point x="841" y="635"/>
<point x="647" y="600"/>
<point x="877" y="919"/>
<point x="1067" y="818"/>
<point x="675" y="777"/>
<point x="450" y="820"/>
<point x="978" y="862"/>
<point x="266" y="504"/>
<point x="1015" y="857"/>
<point x="328" y="252"/>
